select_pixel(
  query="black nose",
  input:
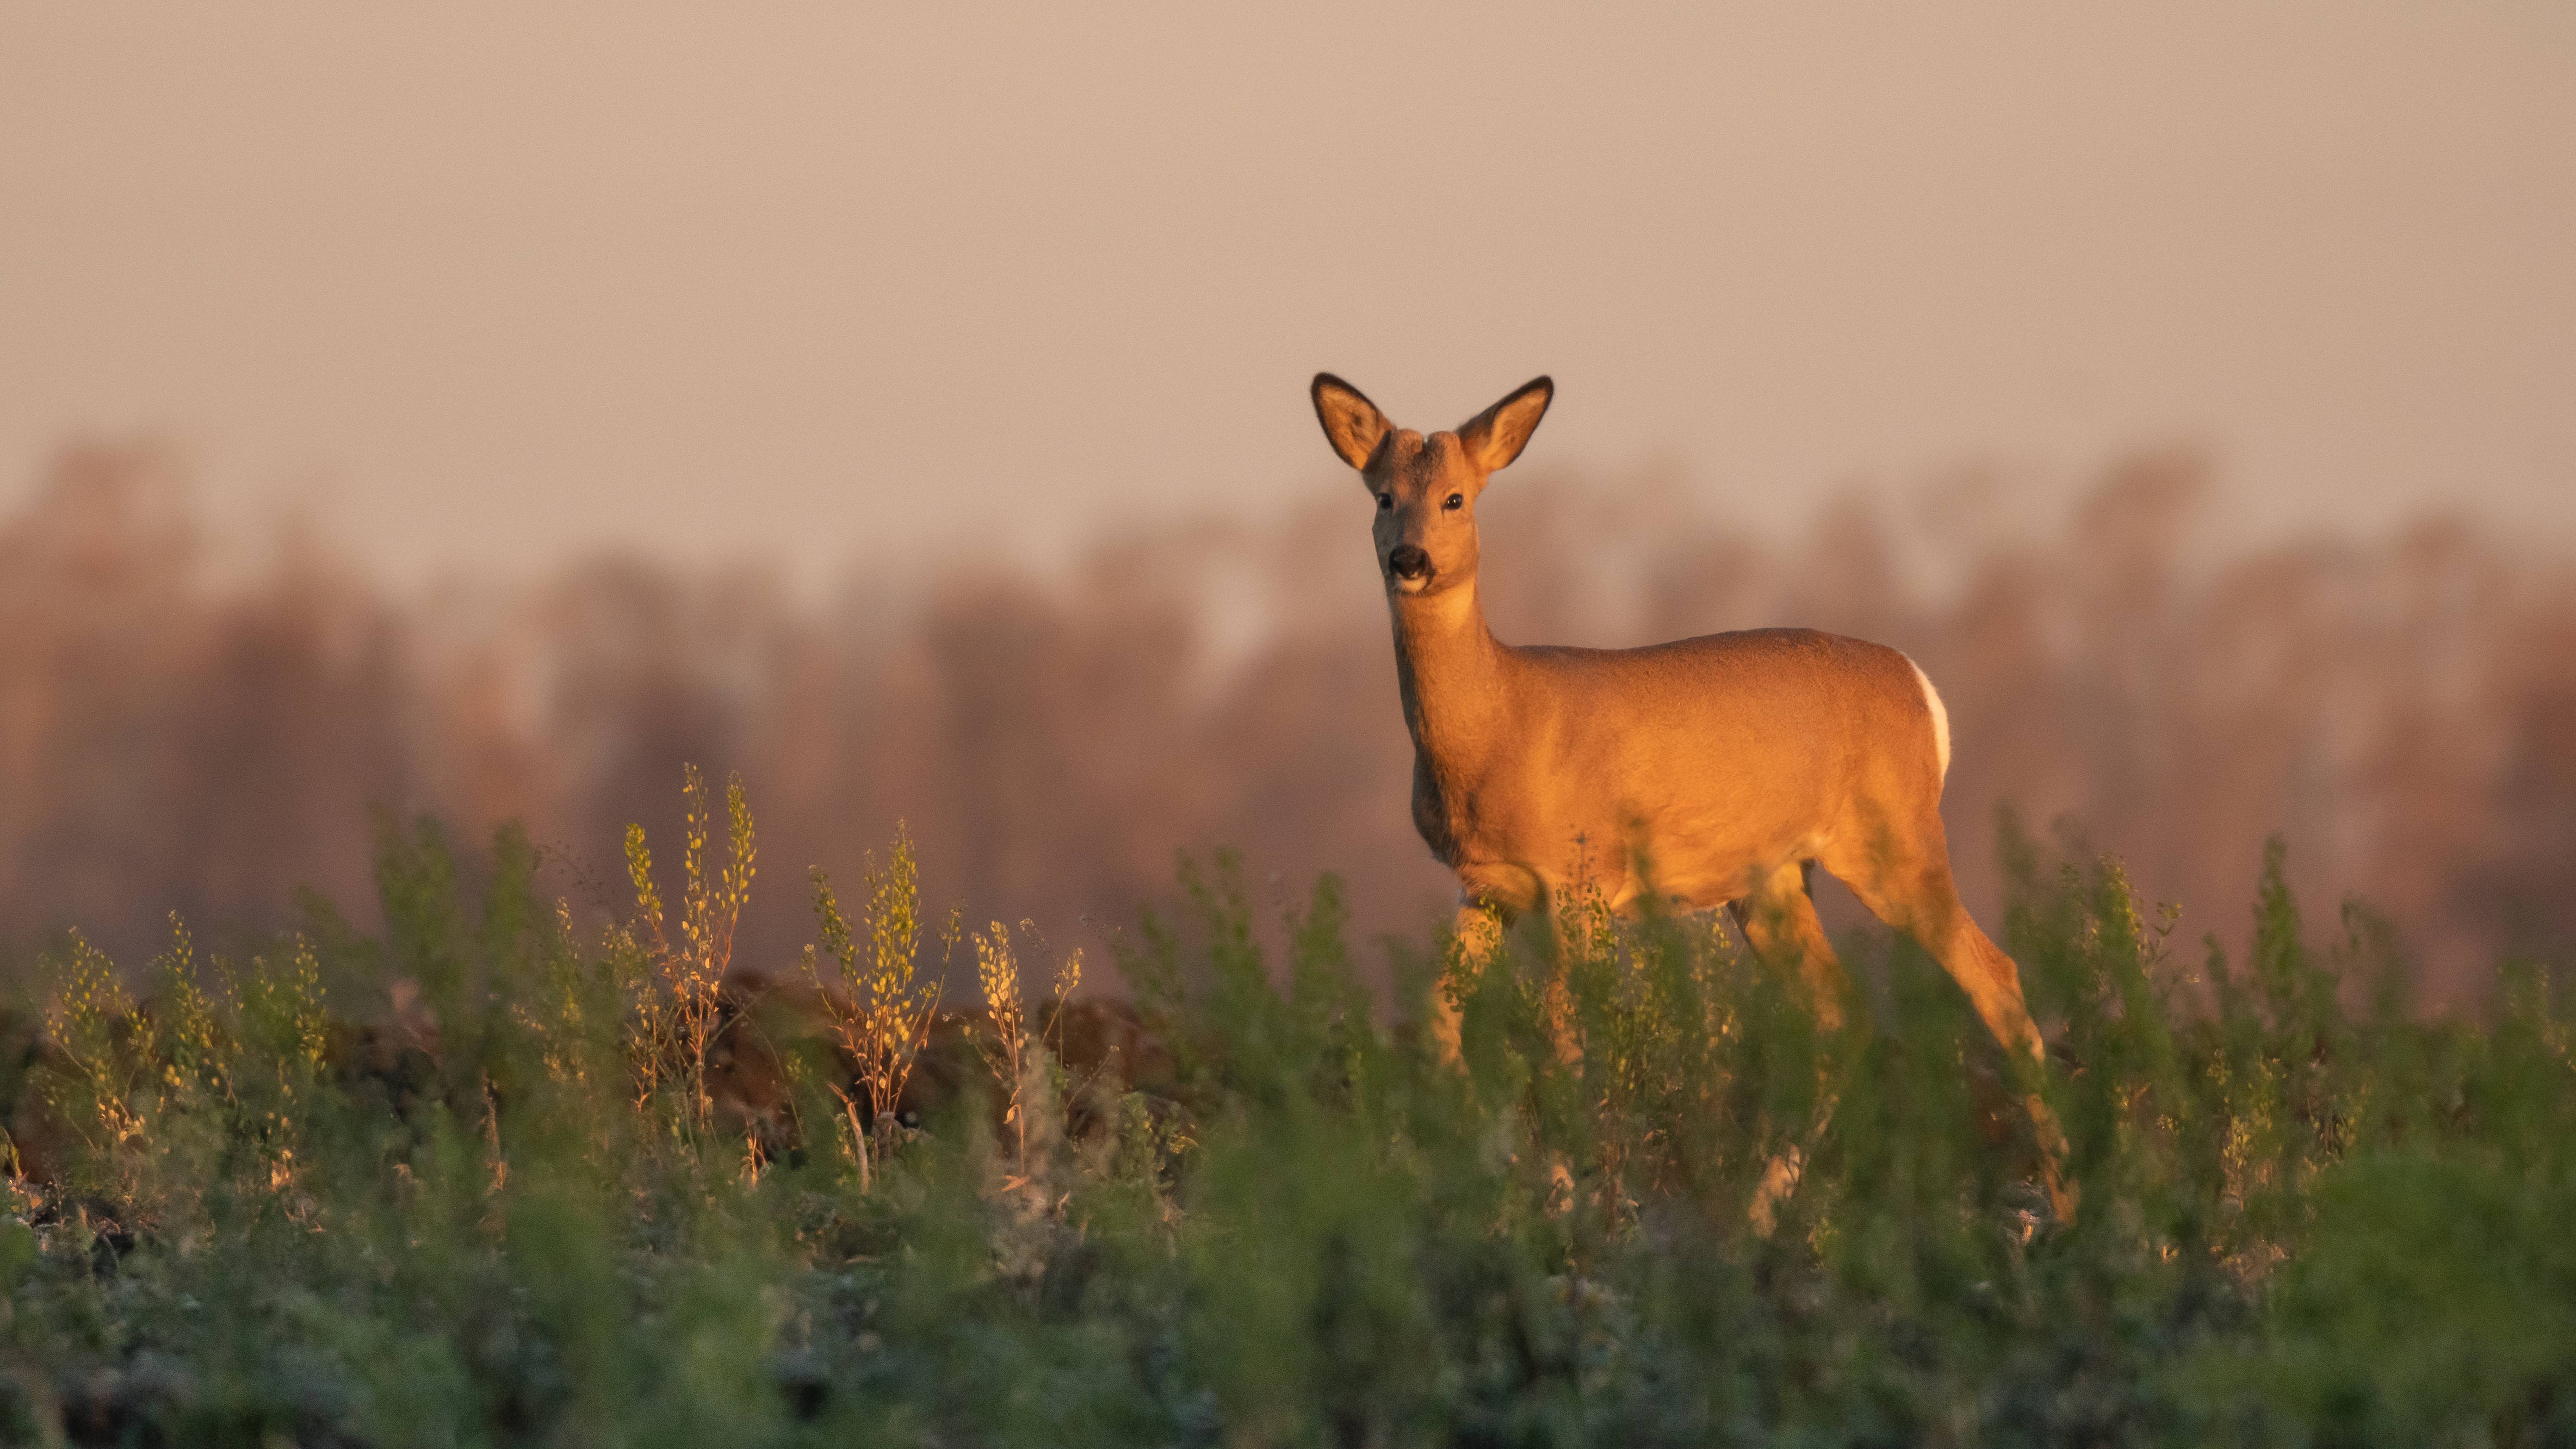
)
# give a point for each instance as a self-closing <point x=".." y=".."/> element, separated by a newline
<point x="1408" y="562"/>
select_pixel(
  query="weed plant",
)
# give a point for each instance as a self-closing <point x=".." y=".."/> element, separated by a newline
<point x="491" y="1177"/>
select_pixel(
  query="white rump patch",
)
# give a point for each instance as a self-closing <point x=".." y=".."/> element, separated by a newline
<point x="1940" y="717"/>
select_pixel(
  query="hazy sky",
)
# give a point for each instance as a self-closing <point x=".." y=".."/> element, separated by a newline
<point x="488" y="283"/>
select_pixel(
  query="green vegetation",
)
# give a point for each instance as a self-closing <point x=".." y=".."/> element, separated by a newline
<point x="500" y="1177"/>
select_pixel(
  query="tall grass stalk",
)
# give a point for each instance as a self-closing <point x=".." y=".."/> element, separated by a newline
<point x="875" y="1005"/>
<point x="677" y="1008"/>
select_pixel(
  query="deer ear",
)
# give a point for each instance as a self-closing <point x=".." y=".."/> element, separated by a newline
<point x="1351" y="422"/>
<point x="1494" y="437"/>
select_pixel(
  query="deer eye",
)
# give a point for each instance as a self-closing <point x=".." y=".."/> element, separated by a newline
<point x="1454" y="501"/>
<point x="1385" y="501"/>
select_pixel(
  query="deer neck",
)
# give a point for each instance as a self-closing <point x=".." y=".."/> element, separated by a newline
<point x="1452" y="674"/>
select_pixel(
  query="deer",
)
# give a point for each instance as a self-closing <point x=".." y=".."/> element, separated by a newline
<point x="1717" y="771"/>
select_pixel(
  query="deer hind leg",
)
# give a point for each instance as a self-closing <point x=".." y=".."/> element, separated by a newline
<point x="1778" y="919"/>
<point x="1919" y="898"/>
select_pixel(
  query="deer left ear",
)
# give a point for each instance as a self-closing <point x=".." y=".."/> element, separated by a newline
<point x="1494" y="437"/>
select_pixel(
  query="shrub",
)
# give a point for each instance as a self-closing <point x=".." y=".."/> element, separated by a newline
<point x="526" y="1197"/>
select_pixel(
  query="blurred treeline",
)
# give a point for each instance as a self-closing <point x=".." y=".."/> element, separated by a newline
<point x="176" y="735"/>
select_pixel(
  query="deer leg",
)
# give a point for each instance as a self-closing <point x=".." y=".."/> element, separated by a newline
<point x="1924" y="903"/>
<point x="1554" y="999"/>
<point x="1489" y="898"/>
<point x="1478" y="936"/>
<point x="1478" y="933"/>
<point x="1993" y="985"/>
<point x="1479" y="929"/>
<point x="1779" y="922"/>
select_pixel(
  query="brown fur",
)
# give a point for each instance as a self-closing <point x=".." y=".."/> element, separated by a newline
<point x="1717" y="770"/>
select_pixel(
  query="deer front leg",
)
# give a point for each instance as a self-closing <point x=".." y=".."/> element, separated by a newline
<point x="1778" y="919"/>
<point x="1477" y="944"/>
<point x="1476" y="939"/>
<point x="1477" y="935"/>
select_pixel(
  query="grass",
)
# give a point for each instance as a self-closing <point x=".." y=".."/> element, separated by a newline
<point x="494" y="1176"/>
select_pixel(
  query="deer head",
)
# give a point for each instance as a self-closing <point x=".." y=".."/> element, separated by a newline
<point x="1426" y="486"/>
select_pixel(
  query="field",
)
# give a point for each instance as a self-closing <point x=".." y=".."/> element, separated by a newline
<point x="503" y="1174"/>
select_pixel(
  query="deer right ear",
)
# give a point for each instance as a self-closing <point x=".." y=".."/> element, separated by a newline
<point x="1352" y="424"/>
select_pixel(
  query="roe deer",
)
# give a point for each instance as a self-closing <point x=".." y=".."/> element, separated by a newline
<point x="1734" y="763"/>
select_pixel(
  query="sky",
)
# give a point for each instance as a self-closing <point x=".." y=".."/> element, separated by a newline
<point x="478" y="287"/>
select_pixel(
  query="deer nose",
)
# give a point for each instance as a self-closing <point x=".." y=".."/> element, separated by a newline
<point x="1408" y="561"/>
